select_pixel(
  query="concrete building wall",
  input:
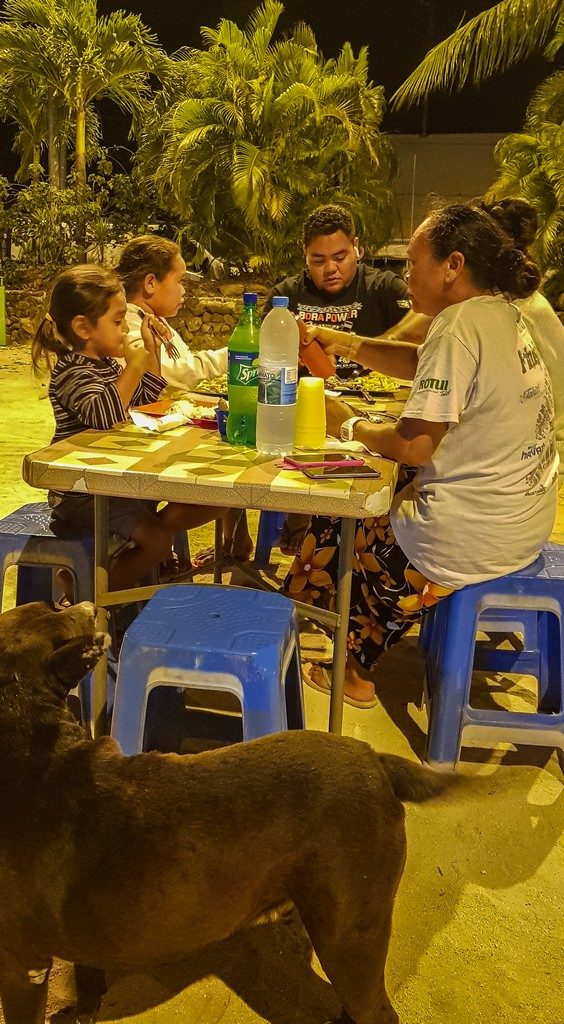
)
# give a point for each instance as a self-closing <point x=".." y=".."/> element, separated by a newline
<point x="453" y="167"/>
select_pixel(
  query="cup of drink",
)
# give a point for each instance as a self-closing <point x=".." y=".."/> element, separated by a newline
<point x="310" y="414"/>
<point x="313" y="356"/>
<point x="221" y="417"/>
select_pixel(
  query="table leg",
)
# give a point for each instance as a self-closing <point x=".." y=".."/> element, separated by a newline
<point x="218" y="551"/>
<point x="344" y="582"/>
<point x="98" y="717"/>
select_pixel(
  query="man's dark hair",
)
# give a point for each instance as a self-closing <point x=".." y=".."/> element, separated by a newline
<point x="326" y="220"/>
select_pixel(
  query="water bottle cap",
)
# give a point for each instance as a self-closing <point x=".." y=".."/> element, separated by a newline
<point x="250" y="298"/>
<point x="280" y="300"/>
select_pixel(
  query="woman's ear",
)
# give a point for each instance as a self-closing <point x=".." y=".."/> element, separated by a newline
<point x="455" y="265"/>
<point x="80" y="326"/>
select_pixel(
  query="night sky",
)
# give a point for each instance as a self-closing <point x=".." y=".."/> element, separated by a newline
<point x="396" y="32"/>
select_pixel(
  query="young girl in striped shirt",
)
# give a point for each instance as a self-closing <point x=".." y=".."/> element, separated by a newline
<point x="80" y="340"/>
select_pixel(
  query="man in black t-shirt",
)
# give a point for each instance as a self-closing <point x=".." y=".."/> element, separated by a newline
<point x="339" y="291"/>
<point x="336" y="289"/>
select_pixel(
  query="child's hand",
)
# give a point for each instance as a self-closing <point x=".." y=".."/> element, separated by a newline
<point x="135" y="353"/>
<point x="145" y="352"/>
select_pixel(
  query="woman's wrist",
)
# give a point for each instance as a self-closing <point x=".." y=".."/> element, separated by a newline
<point x="354" y="343"/>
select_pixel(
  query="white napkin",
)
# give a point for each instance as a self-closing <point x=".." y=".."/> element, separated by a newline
<point x="158" y="424"/>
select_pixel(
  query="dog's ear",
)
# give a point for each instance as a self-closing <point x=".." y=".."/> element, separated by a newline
<point x="74" y="659"/>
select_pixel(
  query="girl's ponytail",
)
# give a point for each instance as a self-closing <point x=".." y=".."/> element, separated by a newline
<point x="46" y="346"/>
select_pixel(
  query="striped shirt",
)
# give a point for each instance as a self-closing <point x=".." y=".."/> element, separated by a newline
<point x="84" y="395"/>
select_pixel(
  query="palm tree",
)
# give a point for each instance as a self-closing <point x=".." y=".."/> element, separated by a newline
<point x="530" y="165"/>
<point x="249" y="135"/>
<point x="77" y="58"/>
<point x="25" y="106"/>
<point x="491" y="42"/>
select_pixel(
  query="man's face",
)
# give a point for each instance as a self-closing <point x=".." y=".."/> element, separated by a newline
<point x="332" y="261"/>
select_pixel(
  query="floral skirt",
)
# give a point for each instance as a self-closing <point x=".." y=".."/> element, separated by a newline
<point x="388" y="594"/>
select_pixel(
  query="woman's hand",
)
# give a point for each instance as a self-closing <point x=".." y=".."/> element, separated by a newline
<point x="334" y="343"/>
<point x="337" y="412"/>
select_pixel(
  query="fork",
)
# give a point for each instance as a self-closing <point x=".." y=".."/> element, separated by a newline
<point x="168" y="345"/>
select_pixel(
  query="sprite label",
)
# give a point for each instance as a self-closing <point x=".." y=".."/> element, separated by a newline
<point x="243" y="369"/>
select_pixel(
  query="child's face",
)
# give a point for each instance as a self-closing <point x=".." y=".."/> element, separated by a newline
<point x="168" y="294"/>
<point x="105" y="337"/>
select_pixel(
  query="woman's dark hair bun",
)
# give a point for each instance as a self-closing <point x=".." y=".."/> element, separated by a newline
<point x="516" y="273"/>
<point x="517" y="218"/>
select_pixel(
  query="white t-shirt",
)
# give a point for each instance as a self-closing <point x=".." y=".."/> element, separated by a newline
<point x="548" y="335"/>
<point x="191" y="367"/>
<point x="485" y="503"/>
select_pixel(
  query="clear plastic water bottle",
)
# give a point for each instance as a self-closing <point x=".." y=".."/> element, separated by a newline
<point x="242" y="375"/>
<point x="277" y="379"/>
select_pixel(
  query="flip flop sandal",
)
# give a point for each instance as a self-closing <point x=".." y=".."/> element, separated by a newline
<point x="174" y="568"/>
<point x="204" y="558"/>
<point x="316" y="648"/>
<point x="325" y="687"/>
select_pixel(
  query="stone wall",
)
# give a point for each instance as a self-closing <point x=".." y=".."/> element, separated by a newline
<point x="24" y="311"/>
<point x="206" y="320"/>
<point x="211" y="311"/>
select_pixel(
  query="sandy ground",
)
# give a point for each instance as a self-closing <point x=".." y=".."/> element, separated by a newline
<point x="478" y="922"/>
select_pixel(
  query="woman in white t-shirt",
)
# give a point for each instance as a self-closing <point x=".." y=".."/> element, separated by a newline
<point x="478" y="426"/>
<point x="519" y="220"/>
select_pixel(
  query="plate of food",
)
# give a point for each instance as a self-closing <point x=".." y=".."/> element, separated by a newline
<point x="199" y="412"/>
<point x="167" y="413"/>
<point x="373" y="383"/>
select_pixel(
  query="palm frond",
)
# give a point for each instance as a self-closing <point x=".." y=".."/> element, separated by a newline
<point x="493" y="41"/>
<point x="547" y="102"/>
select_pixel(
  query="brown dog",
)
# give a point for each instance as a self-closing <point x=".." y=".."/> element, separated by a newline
<point x="122" y="862"/>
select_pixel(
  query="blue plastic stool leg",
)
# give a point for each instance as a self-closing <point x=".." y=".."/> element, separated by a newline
<point x="454" y="668"/>
<point x="269" y="530"/>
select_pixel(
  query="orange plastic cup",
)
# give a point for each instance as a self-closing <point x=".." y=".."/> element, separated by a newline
<point x="313" y="356"/>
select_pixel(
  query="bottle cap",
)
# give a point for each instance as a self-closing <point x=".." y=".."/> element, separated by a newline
<point x="280" y="300"/>
<point x="250" y="298"/>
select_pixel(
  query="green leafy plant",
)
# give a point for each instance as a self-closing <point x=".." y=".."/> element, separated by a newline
<point x="491" y="42"/>
<point x="530" y="164"/>
<point x="249" y="135"/>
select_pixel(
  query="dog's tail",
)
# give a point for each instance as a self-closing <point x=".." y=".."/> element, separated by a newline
<point x="412" y="782"/>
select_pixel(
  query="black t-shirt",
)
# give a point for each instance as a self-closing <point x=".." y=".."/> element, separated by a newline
<point x="374" y="301"/>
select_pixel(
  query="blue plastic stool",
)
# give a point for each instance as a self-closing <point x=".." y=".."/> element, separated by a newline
<point x="213" y="638"/>
<point x="533" y="598"/>
<point x="269" y="530"/>
<point x="37" y="546"/>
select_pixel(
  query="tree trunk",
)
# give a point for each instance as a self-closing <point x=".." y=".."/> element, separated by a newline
<point x="80" y="170"/>
<point x="62" y="162"/>
<point x="35" y="169"/>
<point x="53" y="144"/>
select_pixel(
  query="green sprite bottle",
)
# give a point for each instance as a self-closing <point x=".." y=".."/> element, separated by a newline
<point x="242" y="375"/>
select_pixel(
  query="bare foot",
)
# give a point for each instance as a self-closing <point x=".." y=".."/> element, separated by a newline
<point x="293" y="533"/>
<point x="358" y="691"/>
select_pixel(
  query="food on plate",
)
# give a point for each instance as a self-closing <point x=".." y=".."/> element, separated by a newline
<point x="213" y="385"/>
<point x="372" y="381"/>
<point x="191" y="411"/>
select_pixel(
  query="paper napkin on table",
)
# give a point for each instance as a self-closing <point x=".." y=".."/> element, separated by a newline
<point x="158" y="424"/>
